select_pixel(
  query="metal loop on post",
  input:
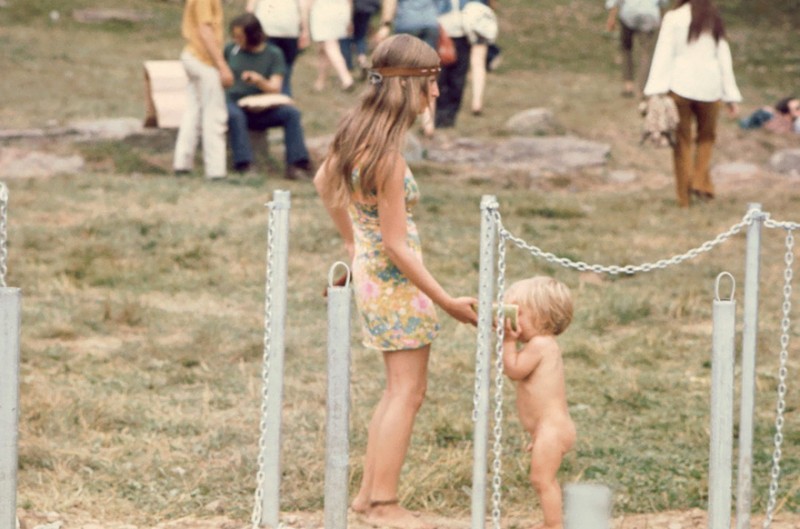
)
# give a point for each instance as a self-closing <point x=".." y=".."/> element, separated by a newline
<point x="717" y="283"/>
<point x="332" y="274"/>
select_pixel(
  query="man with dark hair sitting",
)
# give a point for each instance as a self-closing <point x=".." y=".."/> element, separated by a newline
<point x="258" y="68"/>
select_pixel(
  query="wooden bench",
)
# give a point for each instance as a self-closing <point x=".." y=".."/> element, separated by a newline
<point x="165" y="100"/>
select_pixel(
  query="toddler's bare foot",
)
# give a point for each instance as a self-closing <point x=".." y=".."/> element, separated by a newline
<point x="390" y="514"/>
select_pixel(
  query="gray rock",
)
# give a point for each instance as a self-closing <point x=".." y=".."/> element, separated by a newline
<point x="98" y="15"/>
<point x="537" y="156"/>
<point x="734" y="169"/>
<point x="622" y="176"/>
<point x="786" y="161"/>
<point x="111" y="129"/>
<point x="15" y="163"/>
<point x="534" y="121"/>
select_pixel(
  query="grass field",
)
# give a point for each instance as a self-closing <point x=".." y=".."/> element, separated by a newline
<point x="143" y="294"/>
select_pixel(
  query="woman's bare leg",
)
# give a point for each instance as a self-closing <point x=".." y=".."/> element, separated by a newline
<point x="334" y="53"/>
<point x="322" y="69"/>
<point x="477" y="65"/>
<point x="390" y="435"/>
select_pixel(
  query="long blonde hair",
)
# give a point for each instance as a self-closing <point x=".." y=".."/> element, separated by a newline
<point x="370" y="136"/>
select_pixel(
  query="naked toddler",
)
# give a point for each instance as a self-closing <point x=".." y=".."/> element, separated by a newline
<point x="545" y="311"/>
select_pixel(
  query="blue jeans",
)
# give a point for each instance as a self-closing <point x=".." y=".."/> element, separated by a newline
<point x="290" y="49"/>
<point x="286" y="116"/>
<point x="429" y="35"/>
<point x="451" y="85"/>
<point x="359" y="38"/>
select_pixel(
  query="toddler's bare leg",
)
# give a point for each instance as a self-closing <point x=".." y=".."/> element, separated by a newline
<point x="546" y="455"/>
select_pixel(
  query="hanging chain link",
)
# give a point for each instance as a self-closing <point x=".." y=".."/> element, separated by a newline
<point x="497" y="447"/>
<point x="782" y="374"/>
<point x="3" y="233"/>
<point x="259" y="495"/>
<point x="627" y="269"/>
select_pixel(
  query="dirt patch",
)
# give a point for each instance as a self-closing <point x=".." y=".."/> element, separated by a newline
<point x="691" y="519"/>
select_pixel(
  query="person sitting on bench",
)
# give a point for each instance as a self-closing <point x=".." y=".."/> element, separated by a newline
<point x="258" y="68"/>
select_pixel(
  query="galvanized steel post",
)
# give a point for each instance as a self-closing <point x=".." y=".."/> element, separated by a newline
<point x="587" y="506"/>
<point x="337" y="444"/>
<point x="10" y="303"/>
<point x="483" y="362"/>
<point x="749" y="335"/>
<point x="720" y="467"/>
<point x="271" y="450"/>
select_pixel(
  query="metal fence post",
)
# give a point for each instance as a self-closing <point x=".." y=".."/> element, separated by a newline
<point x="721" y="447"/>
<point x="587" y="506"/>
<point x="337" y="443"/>
<point x="10" y="303"/>
<point x="271" y="450"/>
<point x="483" y="362"/>
<point x="749" y="335"/>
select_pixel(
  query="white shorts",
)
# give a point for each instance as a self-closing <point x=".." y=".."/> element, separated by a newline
<point x="480" y="22"/>
<point x="330" y="19"/>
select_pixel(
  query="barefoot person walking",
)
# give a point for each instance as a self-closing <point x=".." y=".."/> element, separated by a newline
<point x="368" y="191"/>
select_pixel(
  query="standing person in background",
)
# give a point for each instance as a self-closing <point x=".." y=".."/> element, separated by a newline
<point x="369" y="192"/>
<point x="286" y="24"/>
<point x="205" y="115"/>
<point x="454" y="76"/>
<point x="417" y="18"/>
<point x="363" y="10"/>
<point x="638" y="19"/>
<point x="692" y="63"/>
<point x="330" y="22"/>
<point x="480" y="25"/>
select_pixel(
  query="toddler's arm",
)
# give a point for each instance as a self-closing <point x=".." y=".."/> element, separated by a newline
<point x="518" y="364"/>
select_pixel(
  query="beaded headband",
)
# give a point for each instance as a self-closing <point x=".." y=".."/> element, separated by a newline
<point x="376" y="75"/>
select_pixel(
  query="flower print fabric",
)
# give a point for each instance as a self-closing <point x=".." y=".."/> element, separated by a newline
<point x="395" y="314"/>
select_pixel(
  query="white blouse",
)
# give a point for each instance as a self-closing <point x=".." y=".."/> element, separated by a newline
<point x="701" y="70"/>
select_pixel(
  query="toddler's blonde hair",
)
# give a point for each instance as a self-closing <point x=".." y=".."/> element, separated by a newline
<point x="546" y="302"/>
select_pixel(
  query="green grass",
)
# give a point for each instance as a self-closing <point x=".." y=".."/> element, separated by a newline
<point x="143" y="294"/>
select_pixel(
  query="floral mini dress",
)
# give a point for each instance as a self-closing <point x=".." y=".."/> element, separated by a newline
<point x="395" y="314"/>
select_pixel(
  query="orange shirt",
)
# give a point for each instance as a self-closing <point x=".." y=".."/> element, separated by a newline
<point x="195" y="14"/>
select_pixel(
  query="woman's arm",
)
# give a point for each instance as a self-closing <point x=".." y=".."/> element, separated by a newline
<point x="339" y="215"/>
<point x="658" y="81"/>
<point x="392" y="218"/>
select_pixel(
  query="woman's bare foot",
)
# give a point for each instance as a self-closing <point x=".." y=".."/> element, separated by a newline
<point x="359" y="505"/>
<point x="391" y="514"/>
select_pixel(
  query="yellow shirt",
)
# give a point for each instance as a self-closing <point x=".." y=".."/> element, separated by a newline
<point x="196" y="13"/>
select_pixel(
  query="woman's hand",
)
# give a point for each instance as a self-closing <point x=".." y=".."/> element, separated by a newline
<point x="733" y="109"/>
<point x="461" y="309"/>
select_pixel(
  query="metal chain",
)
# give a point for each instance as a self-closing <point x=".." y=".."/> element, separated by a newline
<point x="3" y="233"/>
<point x="259" y="495"/>
<point x="627" y="269"/>
<point x="782" y="373"/>
<point x="769" y="223"/>
<point x="497" y="447"/>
